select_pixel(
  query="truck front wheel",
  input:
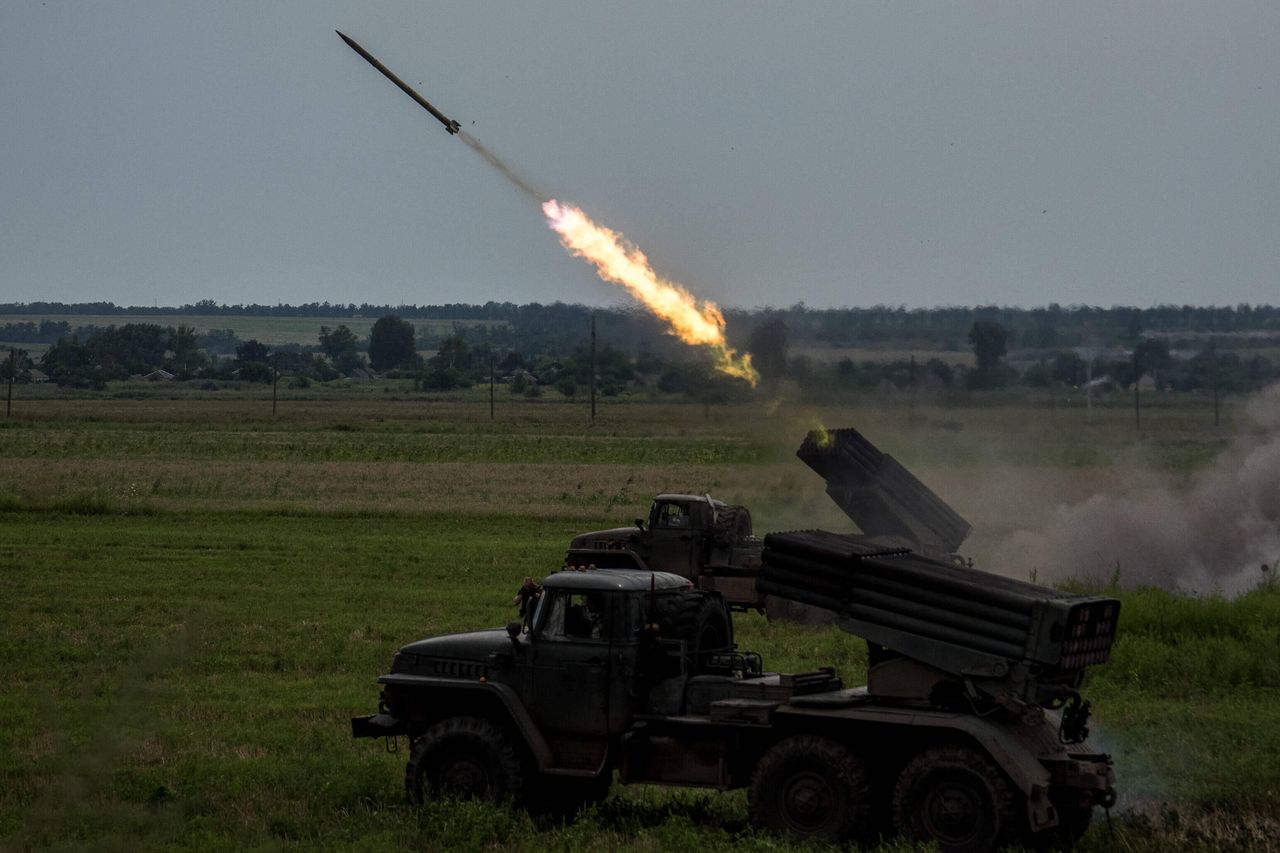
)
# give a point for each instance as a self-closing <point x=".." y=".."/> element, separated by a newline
<point x="954" y="797"/>
<point x="463" y="757"/>
<point x="809" y="787"/>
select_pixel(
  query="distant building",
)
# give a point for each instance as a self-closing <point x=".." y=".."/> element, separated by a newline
<point x="159" y="375"/>
<point x="34" y="375"/>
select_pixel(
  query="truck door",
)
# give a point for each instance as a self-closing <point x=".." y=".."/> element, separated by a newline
<point x="674" y="539"/>
<point x="571" y="675"/>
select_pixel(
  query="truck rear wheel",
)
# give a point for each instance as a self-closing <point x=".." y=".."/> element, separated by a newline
<point x="954" y="797"/>
<point x="810" y="787"/>
<point x="463" y="757"/>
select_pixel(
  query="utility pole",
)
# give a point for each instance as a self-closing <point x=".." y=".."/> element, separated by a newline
<point x="593" y="367"/>
<point x="911" y="383"/>
<point x="1137" y="409"/>
<point x="13" y="369"/>
<point x="275" y="381"/>
<point x="491" y="416"/>
<point x="1088" y="390"/>
<point x="1213" y="376"/>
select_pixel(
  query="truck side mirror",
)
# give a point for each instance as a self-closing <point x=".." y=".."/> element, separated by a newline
<point x="640" y="524"/>
<point x="513" y="631"/>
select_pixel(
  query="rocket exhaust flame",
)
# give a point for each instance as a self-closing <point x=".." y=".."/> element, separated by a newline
<point x="618" y="261"/>
<point x="615" y="259"/>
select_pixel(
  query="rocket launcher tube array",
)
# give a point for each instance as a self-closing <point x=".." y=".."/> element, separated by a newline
<point x="951" y="617"/>
<point x="879" y="494"/>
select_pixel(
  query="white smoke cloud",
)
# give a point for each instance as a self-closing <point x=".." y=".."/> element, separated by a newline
<point x="1210" y="534"/>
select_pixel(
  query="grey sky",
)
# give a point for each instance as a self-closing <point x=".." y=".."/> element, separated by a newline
<point x="763" y="154"/>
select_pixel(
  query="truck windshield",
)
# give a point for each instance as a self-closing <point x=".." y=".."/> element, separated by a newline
<point x="572" y="615"/>
<point x="671" y="515"/>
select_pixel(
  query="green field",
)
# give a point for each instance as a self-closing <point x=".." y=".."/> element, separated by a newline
<point x="199" y="595"/>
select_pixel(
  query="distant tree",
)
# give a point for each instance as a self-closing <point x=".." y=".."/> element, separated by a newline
<point x="69" y="363"/>
<point x="1069" y="369"/>
<point x="252" y="351"/>
<point x="391" y="343"/>
<point x="453" y="352"/>
<point x="946" y="373"/>
<point x="1151" y="355"/>
<point x="340" y="345"/>
<point x="767" y="344"/>
<point x="184" y="343"/>
<point x="567" y="386"/>
<point x="218" y="341"/>
<point x="990" y="341"/>
<point x="442" y="379"/>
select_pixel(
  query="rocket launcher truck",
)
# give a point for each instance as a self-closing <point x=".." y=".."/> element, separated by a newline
<point x="970" y="733"/>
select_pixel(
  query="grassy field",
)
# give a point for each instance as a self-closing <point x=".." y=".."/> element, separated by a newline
<point x="198" y="596"/>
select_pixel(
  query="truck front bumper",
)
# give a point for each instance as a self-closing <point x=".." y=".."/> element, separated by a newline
<point x="377" y="725"/>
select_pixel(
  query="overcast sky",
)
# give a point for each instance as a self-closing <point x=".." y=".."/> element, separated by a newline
<point x="761" y="153"/>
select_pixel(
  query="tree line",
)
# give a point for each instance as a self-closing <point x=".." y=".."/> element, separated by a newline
<point x="941" y="327"/>
<point x="560" y="360"/>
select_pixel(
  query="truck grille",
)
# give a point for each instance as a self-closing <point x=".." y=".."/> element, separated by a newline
<point x="459" y="669"/>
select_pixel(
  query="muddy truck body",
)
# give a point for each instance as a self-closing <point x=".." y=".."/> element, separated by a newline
<point x="969" y="734"/>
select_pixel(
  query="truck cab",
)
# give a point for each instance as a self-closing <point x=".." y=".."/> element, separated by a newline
<point x="697" y="537"/>
<point x="576" y="679"/>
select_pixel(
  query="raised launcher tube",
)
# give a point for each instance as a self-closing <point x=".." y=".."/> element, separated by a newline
<point x="878" y="494"/>
<point x="1013" y="641"/>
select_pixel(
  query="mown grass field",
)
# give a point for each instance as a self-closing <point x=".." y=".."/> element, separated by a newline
<point x="197" y="596"/>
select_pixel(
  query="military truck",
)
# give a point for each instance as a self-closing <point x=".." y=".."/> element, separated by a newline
<point x="712" y="543"/>
<point x="970" y="732"/>
<point x="697" y="537"/>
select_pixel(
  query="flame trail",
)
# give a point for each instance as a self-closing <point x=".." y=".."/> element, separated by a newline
<point x="618" y="261"/>
<point x="615" y="259"/>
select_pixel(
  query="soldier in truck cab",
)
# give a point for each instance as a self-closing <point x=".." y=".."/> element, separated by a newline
<point x="672" y="515"/>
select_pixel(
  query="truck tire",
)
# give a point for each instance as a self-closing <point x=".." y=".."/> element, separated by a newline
<point x="809" y="787"/>
<point x="954" y="797"/>
<point x="466" y="758"/>
<point x="733" y="524"/>
<point x="703" y="622"/>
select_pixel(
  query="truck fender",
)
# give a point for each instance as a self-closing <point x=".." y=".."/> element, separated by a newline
<point x="503" y="694"/>
<point x="1016" y="751"/>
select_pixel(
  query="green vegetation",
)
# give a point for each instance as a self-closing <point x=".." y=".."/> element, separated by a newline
<point x="532" y="348"/>
<point x="198" y="596"/>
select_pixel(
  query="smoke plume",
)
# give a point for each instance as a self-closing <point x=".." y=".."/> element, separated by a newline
<point x="1213" y="533"/>
<point x="501" y="165"/>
